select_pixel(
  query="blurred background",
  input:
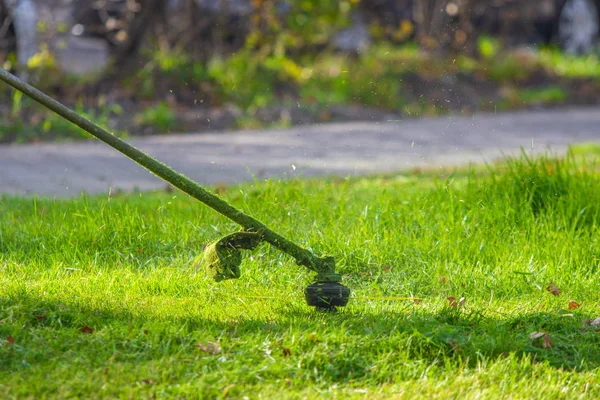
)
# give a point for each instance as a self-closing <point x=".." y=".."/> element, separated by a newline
<point x="142" y="67"/>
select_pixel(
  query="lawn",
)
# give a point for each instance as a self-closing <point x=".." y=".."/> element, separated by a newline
<point x="100" y="296"/>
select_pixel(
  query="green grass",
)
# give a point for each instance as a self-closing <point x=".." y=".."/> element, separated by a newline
<point x="99" y="296"/>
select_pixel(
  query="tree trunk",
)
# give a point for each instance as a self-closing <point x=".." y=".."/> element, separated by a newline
<point x="25" y="17"/>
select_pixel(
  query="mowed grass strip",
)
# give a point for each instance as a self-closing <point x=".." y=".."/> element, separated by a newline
<point x="100" y="297"/>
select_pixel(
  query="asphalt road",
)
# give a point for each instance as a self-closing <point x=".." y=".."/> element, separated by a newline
<point x="67" y="169"/>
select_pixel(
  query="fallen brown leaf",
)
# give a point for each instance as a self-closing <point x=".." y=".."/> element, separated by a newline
<point x="87" y="329"/>
<point x="546" y="343"/>
<point x="552" y="288"/>
<point x="285" y="352"/>
<point x="452" y="301"/>
<point x="444" y="280"/>
<point x="10" y="340"/>
<point x="455" y="346"/>
<point x="595" y="322"/>
<point x="573" y="305"/>
<point x="221" y="188"/>
<point x="210" y="348"/>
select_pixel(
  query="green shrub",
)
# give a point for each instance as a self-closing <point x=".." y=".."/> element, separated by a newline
<point x="161" y="117"/>
<point x="571" y="66"/>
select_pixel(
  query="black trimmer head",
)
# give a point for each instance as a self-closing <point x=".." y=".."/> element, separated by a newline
<point x="326" y="296"/>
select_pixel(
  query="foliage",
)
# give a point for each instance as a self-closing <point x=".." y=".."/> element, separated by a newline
<point x="29" y="122"/>
<point x="368" y="80"/>
<point x="548" y="95"/>
<point x="306" y="25"/>
<point x="561" y="64"/>
<point x="160" y="116"/>
<point x="392" y="77"/>
<point x="515" y="98"/>
<point x="253" y="80"/>
<point x="286" y="60"/>
<point x="488" y="47"/>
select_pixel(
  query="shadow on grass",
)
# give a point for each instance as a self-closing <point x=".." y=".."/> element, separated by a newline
<point x="45" y="331"/>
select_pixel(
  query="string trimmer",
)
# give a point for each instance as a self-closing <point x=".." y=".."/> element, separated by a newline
<point x="222" y="258"/>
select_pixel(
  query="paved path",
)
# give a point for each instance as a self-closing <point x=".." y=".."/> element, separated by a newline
<point x="344" y="149"/>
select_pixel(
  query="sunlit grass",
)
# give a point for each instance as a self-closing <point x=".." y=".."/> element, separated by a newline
<point x="99" y="297"/>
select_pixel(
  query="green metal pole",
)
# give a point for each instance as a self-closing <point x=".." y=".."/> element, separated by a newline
<point x="324" y="266"/>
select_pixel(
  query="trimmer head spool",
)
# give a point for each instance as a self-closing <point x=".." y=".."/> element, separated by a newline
<point x="326" y="296"/>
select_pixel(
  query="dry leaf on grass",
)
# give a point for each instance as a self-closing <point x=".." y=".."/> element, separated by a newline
<point x="285" y="352"/>
<point x="595" y="322"/>
<point x="573" y="305"/>
<point x="546" y="343"/>
<point x="455" y="346"/>
<point x="10" y="340"/>
<point x="535" y="335"/>
<point x="452" y="302"/>
<point x="210" y="348"/>
<point x="87" y="329"/>
<point x="552" y="288"/>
